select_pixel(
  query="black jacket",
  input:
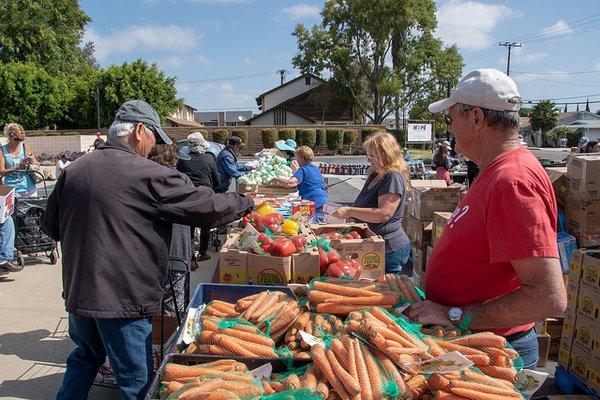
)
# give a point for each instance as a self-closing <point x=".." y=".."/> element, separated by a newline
<point x="112" y="211"/>
<point x="201" y="168"/>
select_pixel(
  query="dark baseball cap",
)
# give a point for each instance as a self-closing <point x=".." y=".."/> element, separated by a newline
<point x="234" y="140"/>
<point x="139" y="111"/>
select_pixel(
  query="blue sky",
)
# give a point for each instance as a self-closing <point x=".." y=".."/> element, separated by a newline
<point x="226" y="52"/>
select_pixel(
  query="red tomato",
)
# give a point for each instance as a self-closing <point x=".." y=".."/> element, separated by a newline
<point x="299" y="242"/>
<point x="349" y="236"/>
<point x="356" y="235"/>
<point x="263" y="239"/>
<point x="333" y="256"/>
<point x="323" y="261"/>
<point x="345" y="268"/>
<point x="283" y="247"/>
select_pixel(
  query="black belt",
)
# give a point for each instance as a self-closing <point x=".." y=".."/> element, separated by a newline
<point x="517" y="336"/>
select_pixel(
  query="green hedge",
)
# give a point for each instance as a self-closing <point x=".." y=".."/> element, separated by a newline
<point x="349" y="136"/>
<point x="320" y="136"/>
<point x="220" y="135"/>
<point x="269" y="136"/>
<point x="335" y="139"/>
<point x="366" y="132"/>
<point x="306" y="137"/>
<point x="242" y="133"/>
<point x="398" y="134"/>
<point x="286" y="133"/>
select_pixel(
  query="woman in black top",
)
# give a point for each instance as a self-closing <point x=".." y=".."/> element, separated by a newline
<point x="202" y="170"/>
<point x="382" y="200"/>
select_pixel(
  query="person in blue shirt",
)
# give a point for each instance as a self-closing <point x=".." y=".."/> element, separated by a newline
<point x="227" y="164"/>
<point x="308" y="179"/>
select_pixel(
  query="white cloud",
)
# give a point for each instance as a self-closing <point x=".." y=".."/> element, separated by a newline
<point x="559" y="28"/>
<point x="300" y="11"/>
<point x="218" y="1"/>
<point x="146" y="37"/>
<point x="248" y="61"/>
<point x="520" y="57"/>
<point x="469" y="23"/>
<point x="202" y="60"/>
<point x="597" y="65"/>
<point x="226" y="93"/>
<point x="173" y="61"/>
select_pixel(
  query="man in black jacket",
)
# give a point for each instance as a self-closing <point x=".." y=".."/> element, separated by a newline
<point x="112" y="211"/>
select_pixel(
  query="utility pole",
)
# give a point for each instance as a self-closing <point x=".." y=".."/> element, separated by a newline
<point x="509" y="46"/>
<point x="98" y="105"/>
<point x="282" y="75"/>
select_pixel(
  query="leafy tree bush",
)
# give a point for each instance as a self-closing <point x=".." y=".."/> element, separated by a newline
<point x="269" y="137"/>
<point x="306" y="137"/>
<point x="335" y="139"/>
<point x="286" y="133"/>
<point x="242" y="133"/>
<point x="220" y="135"/>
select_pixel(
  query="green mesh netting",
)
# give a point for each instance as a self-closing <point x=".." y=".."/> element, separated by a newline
<point x="391" y="390"/>
<point x="226" y="323"/>
<point x="299" y="371"/>
<point x="321" y="242"/>
<point x="411" y="328"/>
<point x="420" y="292"/>
<point x="285" y="355"/>
<point x="298" y="394"/>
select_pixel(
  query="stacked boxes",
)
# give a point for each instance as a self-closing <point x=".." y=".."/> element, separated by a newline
<point x="579" y="349"/>
<point x="582" y="205"/>
<point x="429" y="201"/>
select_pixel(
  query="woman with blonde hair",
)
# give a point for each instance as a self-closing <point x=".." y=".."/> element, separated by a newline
<point x="16" y="155"/>
<point x="382" y="200"/>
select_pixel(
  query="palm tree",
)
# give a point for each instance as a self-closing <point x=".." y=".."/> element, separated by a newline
<point x="543" y="116"/>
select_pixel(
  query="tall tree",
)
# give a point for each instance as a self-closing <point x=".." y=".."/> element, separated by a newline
<point x="45" y="32"/>
<point x="31" y="96"/>
<point x="136" y="80"/>
<point x="382" y="51"/>
<point x="543" y="116"/>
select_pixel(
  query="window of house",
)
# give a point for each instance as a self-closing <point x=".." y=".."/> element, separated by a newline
<point x="279" y="117"/>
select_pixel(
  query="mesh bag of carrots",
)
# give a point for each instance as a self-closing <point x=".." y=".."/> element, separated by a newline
<point x="342" y="296"/>
<point x="353" y="371"/>
<point x="323" y="326"/>
<point x="490" y="353"/>
<point x="223" y="379"/>
<point x="231" y="336"/>
<point x="305" y="380"/>
<point x="400" y="340"/>
<point x="471" y="384"/>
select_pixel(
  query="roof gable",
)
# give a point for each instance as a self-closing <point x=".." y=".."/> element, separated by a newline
<point x="258" y="98"/>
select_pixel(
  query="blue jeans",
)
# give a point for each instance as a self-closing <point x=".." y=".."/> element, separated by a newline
<point x="396" y="260"/>
<point x="128" y="344"/>
<point x="319" y="215"/>
<point x="7" y="240"/>
<point x="527" y="347"/>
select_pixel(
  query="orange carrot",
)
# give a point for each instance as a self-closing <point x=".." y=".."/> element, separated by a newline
<point x="483" y="339"/>
<point x="343" y="290"/>
<point x="338" y="309"/>
<point x="508" y="374"/>
<point x="451" y="346"/>
<point x="374" y="374"/>
<point x="321" y="361"/>
<point x="442" y="395"/>
<point x="487" y="380"/>
<point x="350" y="384"/>
<point x="475" y="395"/>
<point x="362" y="372"/>
<point x="438" y="382"/>
<point x="387" y="299"/>
<point x="255" y="304"/>
<point x="479" y="387"/>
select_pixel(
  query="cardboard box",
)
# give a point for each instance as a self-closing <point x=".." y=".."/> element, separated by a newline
<point x="418" y="257"/>
<point x="588" y="304"/>
<point x="586" y="334"/>
<point x="567" y="244"/>
<point x="594" y="376"/>
<point x="233" y="263"/>
<point x="583" y="173"/>
<point x="369" y="251"/>
<point x="419" y="232"/>
<point x="590" y="270"/>
<point x="568" y="331"/>
<point x="558" y="177"/>
<point x="544" y="349"/>
<point x="440" y="220"/>
<point x="305" y="266"/>
<point x="580" y="362"/>
<point x="170" y="325"/>
<point x="554" y="328"/>
<point x="582" y="214"/>
<point x="564" y="356"/>
<point x="571" y="310"/>
<point x="7" y="202"/>
<point x="427" y="200"/>
<point x="269" y="270"/>
<point x="575" y="269"/>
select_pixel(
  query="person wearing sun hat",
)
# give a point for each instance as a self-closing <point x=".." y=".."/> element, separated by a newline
<point x="498" y="253"/>
<point x="288" y="147"/>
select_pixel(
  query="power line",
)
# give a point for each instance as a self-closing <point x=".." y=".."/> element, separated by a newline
<point x="559" y="72"/>
<point x="567" y="98"/>
<point x="509" y="46"/>
<point x="230" y="78"/>
<point x="561" y="82"/>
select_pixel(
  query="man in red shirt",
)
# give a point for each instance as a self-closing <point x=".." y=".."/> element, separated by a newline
<point x="496" y="266"/>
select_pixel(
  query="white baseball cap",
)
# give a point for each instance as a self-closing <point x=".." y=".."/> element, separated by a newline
<point x="485" y="88"/>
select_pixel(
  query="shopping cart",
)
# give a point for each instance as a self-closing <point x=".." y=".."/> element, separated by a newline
<point x="28" y="216"/>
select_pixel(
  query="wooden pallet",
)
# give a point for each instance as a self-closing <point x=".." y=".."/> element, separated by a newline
<point x="569" y="383"/>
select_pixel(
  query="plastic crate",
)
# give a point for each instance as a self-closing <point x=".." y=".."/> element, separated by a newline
<point x="569" y="383"/>
<point x="207" y="292"/>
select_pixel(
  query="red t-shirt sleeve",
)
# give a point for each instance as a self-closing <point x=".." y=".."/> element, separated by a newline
<point x="521" y="224"/>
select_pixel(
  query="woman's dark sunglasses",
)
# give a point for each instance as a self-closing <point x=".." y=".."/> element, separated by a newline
<point x="448" y="119"/>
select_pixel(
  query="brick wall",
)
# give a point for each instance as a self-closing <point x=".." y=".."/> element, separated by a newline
<point x="54" y="142"/>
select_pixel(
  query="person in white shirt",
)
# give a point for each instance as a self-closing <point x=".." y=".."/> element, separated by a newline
<point x="62" y="163"/>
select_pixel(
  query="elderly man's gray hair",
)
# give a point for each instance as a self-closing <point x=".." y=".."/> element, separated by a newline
<point x="508" y="121"/>
<point x="120" y="129"/>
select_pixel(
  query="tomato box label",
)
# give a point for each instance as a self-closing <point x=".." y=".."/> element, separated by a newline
<point x="232" y="262"/>
<point x="269" y="270"/>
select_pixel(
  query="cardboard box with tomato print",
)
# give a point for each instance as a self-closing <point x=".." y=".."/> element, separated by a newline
<point x="368" y="249"/>
<point x="233" y="262"/>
